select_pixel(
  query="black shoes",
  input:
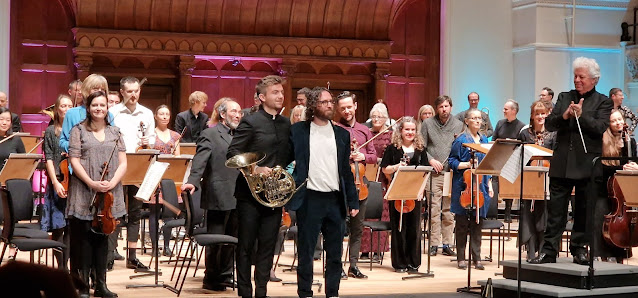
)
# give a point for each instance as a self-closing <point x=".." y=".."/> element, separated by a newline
<point x="434" y="250"/>
<point x="478" y="265"/>
<point x="508" y="219"/>
<point x="167" y="252"/>
<point x="136" y="264"/>
<point x="216" y="288"/>
<point x="581" y="259"/>
<point x="412" y="269"/>
<point x="344" y="276"/>
<point x="543" y="258"/>
<point x="117" y="256"/>
<point x="109" y="265"/>
<point x="447" y="251"/>
<point x="356" y="273"/>
<point x="400" y="270"/>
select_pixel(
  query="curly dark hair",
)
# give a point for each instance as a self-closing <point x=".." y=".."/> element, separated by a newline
<point x="313" y="97"/>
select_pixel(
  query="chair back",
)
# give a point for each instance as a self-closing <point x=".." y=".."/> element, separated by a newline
<point x="492" y="211"/>
<point x="188" y="203"/>
<point x="169" y="195"/>
<point x="196" y="210"/>
<point x="21" y="197"/>
<point x="8" y="221"/>
<point x="374" y="209"/>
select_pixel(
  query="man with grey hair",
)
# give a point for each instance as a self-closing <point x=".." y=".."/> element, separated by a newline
<point x="302" y="96"/>
<point x="508" y="128"/>
<point x="16" y="125"/>
<point x="486" y="126"/>
<point x="217" y="183"/>
<point x="438" y="134"/>
<point x="572" y="165"/>
<point x="75" y="92"/>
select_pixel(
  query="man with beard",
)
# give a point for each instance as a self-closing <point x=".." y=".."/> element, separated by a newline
<point x="347" y="108"/>
<point x="217" y="191"/>
<point x="268" y="132"/>
<point x="323" y="159"/>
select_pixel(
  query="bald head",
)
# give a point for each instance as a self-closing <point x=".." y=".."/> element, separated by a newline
<point x="3" y="100"/>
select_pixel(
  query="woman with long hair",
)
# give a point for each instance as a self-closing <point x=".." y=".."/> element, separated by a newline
<point x="407" y="148"/>
<point x="52" y="219"/>
<point x="534" y="214"/>
<point x="460" y="161"/>
<point x="13" y="145"/>
<point x="425" y="112"/>
<point x="90" y="148"/>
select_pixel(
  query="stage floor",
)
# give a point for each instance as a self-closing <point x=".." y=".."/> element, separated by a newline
<point x="382" y="280"/>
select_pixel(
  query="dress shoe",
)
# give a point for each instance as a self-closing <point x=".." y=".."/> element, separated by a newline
<point x="109" y="265"/>
<point x="400" y="270"/>
<point x="412" y="269"/>
<point x="447" y="251"/>
<point x="344" y="276"/>
<point x="356" y="273"/>
<point x="364" y="256"/>
<point x="461" y="265"/>
<point x="275" y="278"/>
<point x="229" y="282"/>
<point x="136" y="264"/>
<point x="433" y="250"/>
<point x="167" y="252"/>
<point x="478" y="266"/>
<point x="216" y="288"/>
<point x="581" y="259"/>
<point x="117" y="256"/>
<point x="543" y="258"/>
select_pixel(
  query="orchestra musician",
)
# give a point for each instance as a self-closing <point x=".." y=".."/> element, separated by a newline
<point x="322" y="156"/>
<point x="460" y="160"/>
<point x="167" y="142"/>
<point x="16" y="125"/>
<point x="114" y="98"/>
<point x="137" y="125"/>
<point x="217" y="183"/>
<point x="75" y="92"/>
<point x="53" y="219"/>
<point x="534" y="215"/>
<point x="582" y="109"/>
<point x="617" y="96"/>
<point x="347" y="107"/>
<point x="194" y="119"/>
<point x="13" y="145"/>
<point x="262" y="131"/>
<point x="438" y="134"/>
<point x="615" y="141"/>
<point x="407" y="142"/>
<point x="90" y="147"/>
<point x="473" y="100"/>
<point x="425" y="112"/>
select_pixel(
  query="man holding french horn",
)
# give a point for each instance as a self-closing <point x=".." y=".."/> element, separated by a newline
<point x="267" y="132"/>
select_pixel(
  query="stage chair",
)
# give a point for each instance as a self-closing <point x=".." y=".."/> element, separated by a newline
<point x="201" y="240"/>
<point x="374" y="210"/>
<point x="492" y="223"/>
<point x="169" y="195"/>
<point x="198" y="219"/>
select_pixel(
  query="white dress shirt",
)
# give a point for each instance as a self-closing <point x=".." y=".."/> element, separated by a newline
<point x="130" y="125"/>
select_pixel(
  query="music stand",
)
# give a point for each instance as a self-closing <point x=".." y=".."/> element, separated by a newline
<point x="407" y="184"/>
<point x="178" y="170"/>
<point x="19" y="166"/>
<point x="187" y="148"/>
<point x="31" y="142"/>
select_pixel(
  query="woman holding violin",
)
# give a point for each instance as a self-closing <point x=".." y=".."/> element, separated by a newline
<point x="406" y="149"/>
<point x="52" y="219"/>
<point x="534" y="218"/>
<point x="98" y="157"/>
<point x="468" y="219"/>
<point x="616" y="142"/>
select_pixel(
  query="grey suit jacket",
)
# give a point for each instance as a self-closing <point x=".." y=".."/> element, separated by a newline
<point x="209" y="173"/>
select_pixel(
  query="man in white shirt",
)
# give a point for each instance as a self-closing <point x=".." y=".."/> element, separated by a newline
<point x="137" y="126"/>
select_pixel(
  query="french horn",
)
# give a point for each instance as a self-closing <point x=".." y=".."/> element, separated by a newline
<point x="272" y="190"/>
<point x="49" y="111"/>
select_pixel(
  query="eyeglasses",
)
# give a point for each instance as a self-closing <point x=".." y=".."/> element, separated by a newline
<point x="378" y="117"/>
<point x="324" y="103"/>
<point x="476" y="118"/>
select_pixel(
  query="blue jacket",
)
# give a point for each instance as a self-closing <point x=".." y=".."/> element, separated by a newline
<point x="300" y="140"/>
<point x="461" y="154"/>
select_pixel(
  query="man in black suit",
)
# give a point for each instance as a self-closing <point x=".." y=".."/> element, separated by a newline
<point x="572" y="165"/>
<point x="322" y="154"/>
<point x="194" y="119"/>
<point x="217" y="191"/>
<point x="268" y="132"/>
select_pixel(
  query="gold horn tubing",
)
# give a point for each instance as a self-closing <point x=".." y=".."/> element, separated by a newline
<point x="49" y="111"/>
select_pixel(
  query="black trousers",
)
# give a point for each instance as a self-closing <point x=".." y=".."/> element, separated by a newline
<point x="88" y="249"/>
<point x="406" y="245"/>
<point x="259" y="223"/>
<point x="320" y="212"/>
<point x="219" y="259"/>
<point x="560" y="190"/>
<point x="356" y="230"/>
<point x="465" y="226"/>
<point x="134" y="208"/>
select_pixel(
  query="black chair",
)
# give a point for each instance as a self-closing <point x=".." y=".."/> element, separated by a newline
<point x="169" y="195"/>
<point x="374" y="210"/>
<point x="491" y="223"/>
<point x="13" y="195"/>
<point x="202" y="239"/>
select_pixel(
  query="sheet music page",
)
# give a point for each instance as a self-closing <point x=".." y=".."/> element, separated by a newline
<point x="512" y="168"/>
<point x="536" y="152"/>
<point x="151" y="180"/>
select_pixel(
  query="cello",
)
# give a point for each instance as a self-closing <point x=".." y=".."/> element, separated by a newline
<point x="101" y="205"/>
<point x="619" y="227"/>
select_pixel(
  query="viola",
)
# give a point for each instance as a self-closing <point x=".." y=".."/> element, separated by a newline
<point x="359" y="171"/>
<point x="404" y="206"/>
<point x="64" y="171"/>
<point x="471" y="196"/>
<point x="103" y="221"/>
<point x="142" y="129"/>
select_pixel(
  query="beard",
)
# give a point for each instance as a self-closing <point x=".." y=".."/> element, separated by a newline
<point x="231" y="124"/>
<point x="324" y="115"/>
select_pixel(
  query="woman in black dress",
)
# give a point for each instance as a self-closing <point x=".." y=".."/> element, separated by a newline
<point x="12" y="145"/>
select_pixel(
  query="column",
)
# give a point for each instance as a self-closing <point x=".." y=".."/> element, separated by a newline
<point x="186" y="67"/>
<point x="287" y="72"/>
<point x="381" y="81"/>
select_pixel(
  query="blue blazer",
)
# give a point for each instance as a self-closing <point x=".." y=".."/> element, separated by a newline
<point x="300" y="141"/>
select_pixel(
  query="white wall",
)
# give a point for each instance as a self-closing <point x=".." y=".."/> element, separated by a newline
<point x="5" y="20"/>
<point x="476" y="51"/>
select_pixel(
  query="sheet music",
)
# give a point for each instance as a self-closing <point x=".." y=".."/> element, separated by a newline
<point x="151" y="180"/>
<point x="512" y="168"/>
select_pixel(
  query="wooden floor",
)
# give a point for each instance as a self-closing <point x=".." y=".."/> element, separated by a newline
<point x="382" y="281"/>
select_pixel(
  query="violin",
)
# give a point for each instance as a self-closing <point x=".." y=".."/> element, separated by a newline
<point x="103" y="221"/>
<point x="359" y="171"/>
<point x="143" y="130"/>
<point x="64" y="171"/>
<point x="404" y="206"/>
<point x="540" y="141"/>
<point x="286" y="220"/>
<point x="471" y="196"/>
<point x="619" y="227"/>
